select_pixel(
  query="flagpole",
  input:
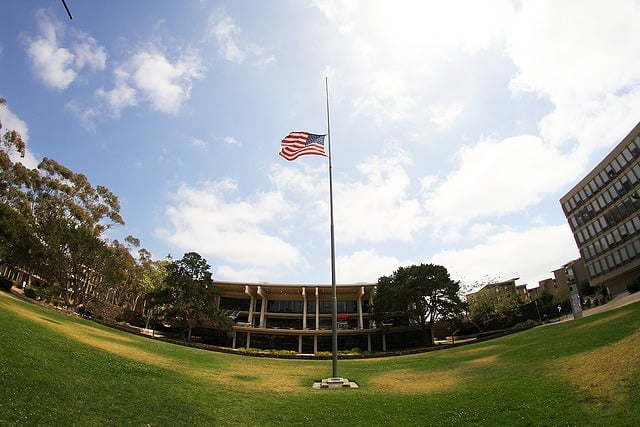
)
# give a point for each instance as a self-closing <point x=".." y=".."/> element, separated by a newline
<point x="334" y="312"/>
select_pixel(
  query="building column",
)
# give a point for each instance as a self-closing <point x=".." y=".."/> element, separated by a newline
<point x="315" y="344"/>
<point x="317" y="309"/>
<point x="369" y="343"/>
<point x="384" y="342"/>
<point x="252" y="303"/>
<point x="360" y="319"/>
<point x="304" y="308"/>
<point x="248" y="340"/>
<point x="234" y="340"/>
<point x="372" y="324"/>
<point x="299" y="343"/>
<point x="263" y="309"/>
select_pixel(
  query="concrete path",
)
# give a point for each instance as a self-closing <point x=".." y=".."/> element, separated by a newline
<point x="617" y="301"/>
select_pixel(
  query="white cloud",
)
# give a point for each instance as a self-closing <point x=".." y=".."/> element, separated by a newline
<point x="231" y="46"/>
<point x="122" y="95"/>
<point x="497" y="178"/>
<point x="366" y="266"/>
<point x="396" y="50"/>
<point x="445" y="115"/>
<point x="568" y="60"/>
<point x="165" y="83"/>
<point x="381" y="206"/>
<point x="199" y="142"/>
<point x="58" y="66"/>
<point x="531" y="255"/>
<point x="225" y="31"/>
<point x="88" y="52"/>
<point x="150" y="74"/>
<point x="210" y="220"/>
<point x="230" y="140"/>
<point x="582" y="56"/>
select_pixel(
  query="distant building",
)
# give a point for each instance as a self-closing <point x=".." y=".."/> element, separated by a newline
<point x="498" y="290"/>
<point x="603" y="211"/>
<point x="547" y="284"/>
<point x="579" y="271"/>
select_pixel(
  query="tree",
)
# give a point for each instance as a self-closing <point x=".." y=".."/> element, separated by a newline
<point x="419" y="294"/>
<point x="487" y="312"/>
<point x="188" y="295"/>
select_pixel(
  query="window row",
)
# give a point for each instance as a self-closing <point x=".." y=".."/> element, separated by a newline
<point x="631" y="152"/>
<point x="612" y="239"/>
<point x="616" y="259"/>
<point x="626" y="184"/>
<point x="616" y="215"/>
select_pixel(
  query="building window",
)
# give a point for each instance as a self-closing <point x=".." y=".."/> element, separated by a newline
<point x="632" y="252"/>
<point x="616" y="166"/>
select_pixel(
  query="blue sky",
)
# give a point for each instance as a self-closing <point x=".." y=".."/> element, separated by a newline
<point x="456" y="126"/>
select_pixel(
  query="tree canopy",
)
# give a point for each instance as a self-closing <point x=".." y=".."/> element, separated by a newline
<point x="188" y="295"/>
<point x="418" y="295"/>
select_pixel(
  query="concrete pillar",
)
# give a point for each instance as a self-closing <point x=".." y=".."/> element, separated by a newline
<point x="263" y="309"/>
<point x="248" y="340"/>
<point x="304" y="308"/>
<point x="315" y="344"/>
<point x="360" y="319"/>
<point x="372" y="324"/>
<point x="299" y="343"/>
<point x="234" y="340"/>
<point x="317" y="309"/>
<point x="369" y="343"/>
<point x="252" y="303"/>
<point x="384" y="342"/>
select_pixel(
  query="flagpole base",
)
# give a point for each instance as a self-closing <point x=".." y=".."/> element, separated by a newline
<point x="334" y="382"/>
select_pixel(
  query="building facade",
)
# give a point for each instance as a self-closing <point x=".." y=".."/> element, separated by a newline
<point x="299" y="317"/>
<point x="603" y="211"/>
<point x="500" y="291"/>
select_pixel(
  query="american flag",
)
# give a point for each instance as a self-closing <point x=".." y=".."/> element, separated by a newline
<point x="298" y="144"/>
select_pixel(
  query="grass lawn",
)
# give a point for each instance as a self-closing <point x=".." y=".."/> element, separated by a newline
<point x="59" y="370"/>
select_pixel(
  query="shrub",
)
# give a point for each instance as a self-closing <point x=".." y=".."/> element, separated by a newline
<point x="30" y="293"/>
<point x="5" y="284"/>
<point x="527" y="324"/>
<point x="634" y="286"/>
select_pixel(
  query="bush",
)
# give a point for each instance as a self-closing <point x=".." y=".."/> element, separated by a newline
<point x="527" y="324"/>
<point x="5" y="284"/>
<point x="634" y="286"/>
<point x="30" y="293"/>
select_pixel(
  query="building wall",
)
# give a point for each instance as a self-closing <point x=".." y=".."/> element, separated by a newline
<point x="603" y="211"/>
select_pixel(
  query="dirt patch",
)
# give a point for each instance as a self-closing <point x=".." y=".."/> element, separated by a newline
<point x="602" y="375"/>
<point x="602" y="321"/>
<point x="410" y="382"/>
<point x="475" y="350"/>
<point x="483" y="360"/>
<point x="275" y="376"/>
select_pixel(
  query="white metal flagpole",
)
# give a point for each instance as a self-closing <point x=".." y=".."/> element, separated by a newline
<point x="334" y="302"/>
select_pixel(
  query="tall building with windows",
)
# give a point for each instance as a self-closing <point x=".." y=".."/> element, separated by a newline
<point x="603" y="211"/>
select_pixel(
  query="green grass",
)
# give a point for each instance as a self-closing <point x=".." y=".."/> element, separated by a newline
<point x="59" y="370"/>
